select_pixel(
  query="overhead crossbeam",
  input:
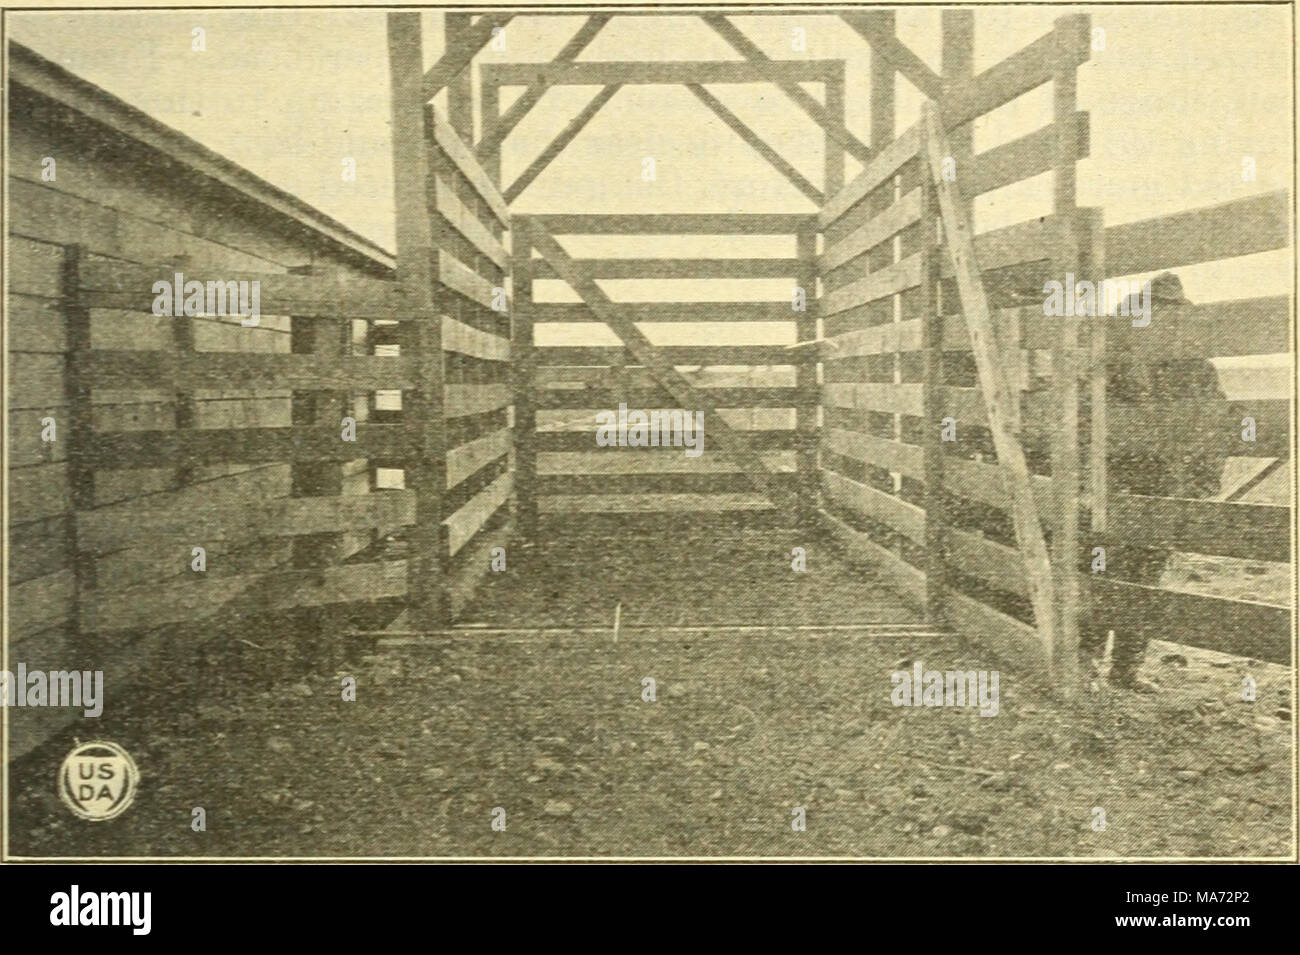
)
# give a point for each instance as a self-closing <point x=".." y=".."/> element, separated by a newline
<point x="496" y="134"/>
<point x="667" y="72"/>
<point x="756" y="142"/>
<point x="833" y="126"/>
<point x="877" y="29"/>
<point x="558" y="144"/>
<point x="660" y="367"/>
<point x="455" y="60"/>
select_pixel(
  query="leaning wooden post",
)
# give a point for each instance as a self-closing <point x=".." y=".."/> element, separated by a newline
<point x="998" y="395"/>
<point x="421" y="335"/>
<point x="808" y="393"/>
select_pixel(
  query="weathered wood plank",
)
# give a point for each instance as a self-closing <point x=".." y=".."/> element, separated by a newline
<point x="160" y="449"/>
<point x="664" y="72"/>
<point x="1239" y="627"/>
<point x="193" y="371"/>
<point x="103" y="530"/>
<point x="907" y="519"/>
<point x="466" y="522"/>
<point x="997" y="394"/>
<point x="1229" y="229"/>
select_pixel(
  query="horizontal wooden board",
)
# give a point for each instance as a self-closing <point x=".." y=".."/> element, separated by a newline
<point x="1226" y="230"/>
<point x="1239" y="627"/>
<point x="908" y="459"/>
<point x="464" y="460"/>
<point x="464" y="281"/>
<point x="604" y="73"/>
<point x="594" y="398"/>
<point x="466" y="522"/>
<point x="453" y="147"/>
<point x="468" y="340"/>
<point x="881" y="167"/>
<point x="979" y="557"/>
<point x="887" y="281"/>
<point x="197" y="522"/>
<point x="652" y="483"/>
<point x="234" y="370"/>
<point x="1253" y="326"/>
<point x="1251" y="531"/>
<point x="1178" y="426"/>
<point x="195" y="596"/>
<point x="909" y="581"/>
<point x="771" y="440"/>
<point x="907" y="519"/>
<point x="984" y="482"/>
<point x="871" y="233"/>
<point x="462" y="400"/>
<point x="1067" y="45"/>
<point x="1009" y="639"/>
<point x="106" y="283"/>
<point x="735" y="268"/>
<point x="880" y="340"/>
<point x="1023" y="158"/>
<point x="677" y="354"/>
<point x="160" y="449"/>
<point x="639" y="503"/>
<point x="445" y="203"/>
<point x="676" y="224"/>
<point x="907" y="399"/>
<point x="672" y="312"/>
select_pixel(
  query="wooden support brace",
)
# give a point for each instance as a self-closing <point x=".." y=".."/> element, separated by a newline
<point x="997" y="393"/>
<point x="801" y="97"/>
<point x="665" y="373"/>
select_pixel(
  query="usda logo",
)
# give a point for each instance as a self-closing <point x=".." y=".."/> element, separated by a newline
<point x="98" y="780"/>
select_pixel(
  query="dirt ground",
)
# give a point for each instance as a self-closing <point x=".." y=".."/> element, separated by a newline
<point x="555" y="732"/>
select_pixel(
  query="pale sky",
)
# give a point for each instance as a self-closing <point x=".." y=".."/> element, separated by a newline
<point x="1177" y="98"/>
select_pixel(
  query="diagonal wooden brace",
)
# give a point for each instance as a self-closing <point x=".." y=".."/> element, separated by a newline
<point x="998" y="396"/>
<point x="663" y="370"/>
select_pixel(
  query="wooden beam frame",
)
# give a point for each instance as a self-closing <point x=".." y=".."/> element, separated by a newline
<point x="877" y="28"/>
<point x="461" y="53"/>
<point x="558" y="144"/>
<point x="663" y="370"/>
<point x="496" y="129"/>
<point x="663" y="73"/>
<point x="422" y="410"/>
<point x="756" y="142"/>
<point x="802" y="98"/>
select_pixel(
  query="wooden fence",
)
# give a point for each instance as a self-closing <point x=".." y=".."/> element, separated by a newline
<point x="912" y="477"/>
<point x="765" y="393"/>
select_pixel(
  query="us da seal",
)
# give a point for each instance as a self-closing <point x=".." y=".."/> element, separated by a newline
<point x="98" y="780"/>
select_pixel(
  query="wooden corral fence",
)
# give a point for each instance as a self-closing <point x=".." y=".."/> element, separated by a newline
<point x="184" y="432"/>
<point x="765" y="393"/>
<point x="929" y="335"/>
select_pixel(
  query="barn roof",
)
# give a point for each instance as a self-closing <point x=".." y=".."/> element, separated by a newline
<point x="30" y="70"/>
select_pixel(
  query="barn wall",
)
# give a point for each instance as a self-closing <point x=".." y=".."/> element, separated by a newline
<point x="116" y="197"/>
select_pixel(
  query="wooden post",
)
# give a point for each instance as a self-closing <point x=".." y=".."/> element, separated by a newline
<point x="936" y="564"/>
<point x="421" y="336"/>
<point x="460" y="91"/>
<point x="806" y="380"/>
<point x="310" y="410"/>
<point x="1065" y="366"/>
<point x="522" y="385"/>
<point x="882" y="94"/>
